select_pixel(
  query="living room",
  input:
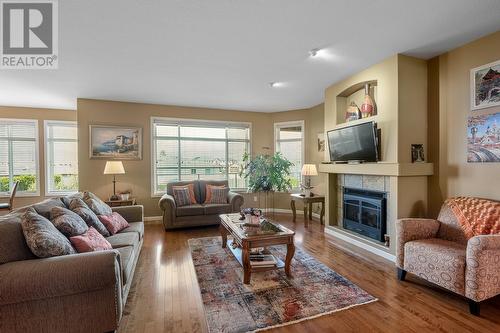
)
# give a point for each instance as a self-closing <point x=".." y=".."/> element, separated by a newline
<point x="199" y="170"/>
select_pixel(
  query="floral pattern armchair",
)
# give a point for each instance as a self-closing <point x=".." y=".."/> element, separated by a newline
<point x="439" y="252"/>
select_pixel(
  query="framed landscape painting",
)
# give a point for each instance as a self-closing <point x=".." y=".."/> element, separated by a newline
<point x="483" y="138"/>
<point x="115" y="142"/>
<point x="485" y="86"/>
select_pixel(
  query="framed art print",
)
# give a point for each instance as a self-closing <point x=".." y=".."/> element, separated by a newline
<point x="485" y="86"/>
<point x="115" y="142"/>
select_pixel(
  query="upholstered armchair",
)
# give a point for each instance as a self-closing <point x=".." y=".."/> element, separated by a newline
<point x="198" y="214"/>
<point x="439" y="252"/>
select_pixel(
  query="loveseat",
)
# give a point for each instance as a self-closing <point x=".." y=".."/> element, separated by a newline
<point x="83" y="292"/>
<point x="198" y="214"/>
<point x="446" y="253"/>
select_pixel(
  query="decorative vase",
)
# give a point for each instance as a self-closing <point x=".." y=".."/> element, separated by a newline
<point x="368" y="106"/>
<point x="352" y="112"/>
<point x="124" y="196"/>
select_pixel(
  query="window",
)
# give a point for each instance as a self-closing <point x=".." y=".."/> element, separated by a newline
<point x="289" y="140"/>
<point x="19" y="156"/>
<point x="61" y="157"/>
<point x="189" y="150"/>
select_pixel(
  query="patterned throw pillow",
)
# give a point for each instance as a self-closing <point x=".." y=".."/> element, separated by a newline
<point x="208" y="191"/>
<point x="182" y="197"/>
<point x="78" y="206"/>
<point x="90" y="241"/>
<point x="218" y="195"/>
<point x="114" y="222"/>
<point x="43" y="208"/>
<point x="190" y="187"/>
<point x="67" y="222"/>
<point x="98" y="206"/>
<point x="43" y="239"/>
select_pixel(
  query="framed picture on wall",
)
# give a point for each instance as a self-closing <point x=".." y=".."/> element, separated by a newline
<point x="483" y="138"/>
<point x="321" y="142"/>
<point x="485" y="86"/>
<point x="115" y="142"/>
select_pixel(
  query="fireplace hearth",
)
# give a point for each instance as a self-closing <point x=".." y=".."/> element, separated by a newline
<point x="364" y="212"/>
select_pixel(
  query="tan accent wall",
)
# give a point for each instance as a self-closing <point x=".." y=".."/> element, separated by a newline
<point x="449" y="98"/>
<point x="138" y="173"/>
<point x="40" y="115"/>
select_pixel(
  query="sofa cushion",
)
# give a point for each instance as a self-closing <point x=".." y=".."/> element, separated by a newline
<point x="218" y="195"/>
<point x="137" y="227"/>
<point x="78" y="206"/>
<point x="208" y="191"/>
<point x="114" y="222"/>
<point x="123" y="239"/>
<point x="42" y="237"/>
<point x="127" y="256"/>
<point x="45" y="207"/>
<point x="67" y="222"/>
<point x="90" y="241"/>
<point x="190" y="188"/>
<point x="203" y="186"/>
<point x="182" y="196"/>
<point x="211" y="209"/>
<point x="191" y="210"/>
<point x="437" y="260"/>
<point x="13" y="245"/>
<point x="196" y="188"/>
<point x="98" y="206"/>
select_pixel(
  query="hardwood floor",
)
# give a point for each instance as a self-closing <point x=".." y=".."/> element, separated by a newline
<point x="165" y="296"/>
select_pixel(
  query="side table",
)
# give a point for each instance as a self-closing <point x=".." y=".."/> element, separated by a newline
<point x="308" y="201"/>
<point x="117" y="203"/>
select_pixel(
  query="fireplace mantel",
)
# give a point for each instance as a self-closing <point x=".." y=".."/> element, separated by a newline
<point x="381" y="169"/>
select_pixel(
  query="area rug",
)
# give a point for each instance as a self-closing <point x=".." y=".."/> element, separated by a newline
<point x="271" y="299"/>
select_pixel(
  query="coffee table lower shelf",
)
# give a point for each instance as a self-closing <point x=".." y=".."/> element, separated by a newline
<point x="237" y="252"/>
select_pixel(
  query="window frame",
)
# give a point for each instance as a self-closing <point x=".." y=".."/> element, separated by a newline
<point x="46" y="125"/>
<point x="294" y="123"/>
<point x="194" y="122"/>
<point x="37" y="158"/>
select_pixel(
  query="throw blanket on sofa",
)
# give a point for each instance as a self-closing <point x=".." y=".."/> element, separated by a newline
<point x="476" y="216"/>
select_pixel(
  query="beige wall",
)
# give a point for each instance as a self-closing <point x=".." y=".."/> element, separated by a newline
<point x="40" y="115"/>
<point x="138" y="173"/>
<point x="449" y="92"/>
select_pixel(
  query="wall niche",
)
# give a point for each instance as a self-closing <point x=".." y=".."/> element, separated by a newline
<point x="355" y="95"/>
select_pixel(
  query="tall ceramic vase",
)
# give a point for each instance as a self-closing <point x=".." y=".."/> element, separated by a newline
<point x="368" y="107"/>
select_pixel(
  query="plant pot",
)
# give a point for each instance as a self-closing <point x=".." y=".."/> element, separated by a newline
<point x="125" y="196"/>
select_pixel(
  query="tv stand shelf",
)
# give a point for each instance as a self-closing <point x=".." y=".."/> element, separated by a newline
<point x="381" y="169"/>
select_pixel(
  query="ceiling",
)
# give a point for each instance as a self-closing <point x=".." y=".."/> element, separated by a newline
<point x="224" y="53"/>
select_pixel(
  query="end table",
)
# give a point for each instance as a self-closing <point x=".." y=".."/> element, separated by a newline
<point x="308" y="201"/>
<point x="117" y="203"/>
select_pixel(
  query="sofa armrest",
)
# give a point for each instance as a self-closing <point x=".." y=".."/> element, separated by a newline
<point x="167" y="205"/>
<point x="131" y="213"/>
<point x="482" y="267"/>
<point x="410" y="229"/>
<point x="29" y="280"/>
<point x="236" y="200"/>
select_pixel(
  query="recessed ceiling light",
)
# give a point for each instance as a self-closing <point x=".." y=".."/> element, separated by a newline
<point x="275" y="84"/>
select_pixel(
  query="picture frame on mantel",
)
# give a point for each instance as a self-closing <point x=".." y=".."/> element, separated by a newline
<point x="485" y="86"/>
<point x="115" y="142"/>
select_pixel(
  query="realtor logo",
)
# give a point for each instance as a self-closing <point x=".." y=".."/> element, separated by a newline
<point x="29" y="34"/>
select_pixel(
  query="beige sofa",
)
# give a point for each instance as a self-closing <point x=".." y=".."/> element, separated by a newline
<point x="439" y="252"/>
<point x="197" y="214"/>
<point x="74" y="293"/>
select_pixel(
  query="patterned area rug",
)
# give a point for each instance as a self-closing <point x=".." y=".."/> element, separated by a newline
<point x="271" y="299"/>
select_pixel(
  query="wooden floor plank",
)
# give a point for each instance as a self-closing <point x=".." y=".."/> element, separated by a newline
<point x="165" y="295"/>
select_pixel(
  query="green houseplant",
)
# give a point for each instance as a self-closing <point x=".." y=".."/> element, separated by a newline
<point x="267" y="173"/>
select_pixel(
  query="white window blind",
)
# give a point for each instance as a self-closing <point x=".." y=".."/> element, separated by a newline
<point x="289" y="141"/>
<point x="188" y="150"/>
<point x="61" y="157"/>
<point x="19" y="156"/>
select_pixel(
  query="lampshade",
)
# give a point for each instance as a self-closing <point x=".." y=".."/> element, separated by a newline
<point x="114" y="168"/>
<point x="309" y="170"/>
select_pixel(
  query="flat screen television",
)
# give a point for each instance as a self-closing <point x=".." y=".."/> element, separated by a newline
<point x="354" y="143"/>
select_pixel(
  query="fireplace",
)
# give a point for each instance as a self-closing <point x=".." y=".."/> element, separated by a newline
<point x="365" y="212"/>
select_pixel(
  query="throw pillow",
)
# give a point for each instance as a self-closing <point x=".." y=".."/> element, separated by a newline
<point x="182" y="197"/>
<point x="98" y="206"/>
<point x="67" y="198"/>
<point x="218" y="195"/>
<point x="78" y="206"/>
<point x="43" y="239"/>
<point x="209" y="192"/>
<point x="114" y="222"/>
<point x="43" y="208"/>
<point x="68" y="223"/>
<point x="90" y="241"/>
<point x="190" y="187"/>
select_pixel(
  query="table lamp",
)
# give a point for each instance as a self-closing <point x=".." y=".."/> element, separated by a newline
<point x="114" y="168"/>
<point x="308" y="170"/>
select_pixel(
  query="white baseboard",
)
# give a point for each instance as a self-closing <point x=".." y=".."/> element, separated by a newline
<point x="152" y="218"/>
<point x="368" y="247"/>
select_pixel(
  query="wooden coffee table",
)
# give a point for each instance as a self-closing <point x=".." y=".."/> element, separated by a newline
<point x="230" y="225"/>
